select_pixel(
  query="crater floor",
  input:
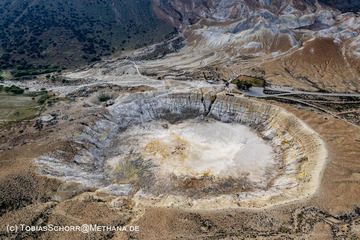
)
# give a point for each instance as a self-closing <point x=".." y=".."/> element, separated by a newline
<point x="198" y="148"/>
<point x="195" y="150"/>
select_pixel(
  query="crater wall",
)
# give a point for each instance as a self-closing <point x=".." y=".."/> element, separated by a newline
<point x="300" y="153"/>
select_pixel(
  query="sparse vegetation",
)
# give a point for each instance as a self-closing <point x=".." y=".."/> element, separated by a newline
<point x="72" y="33"/>
<point x="246" y="82"/>
<point x="104" y="97"/>
<point x="132" y="171"/>
<point x="43" y="98"/>
<point x="24" y="188"/>
<point x="14" y="89"/>
<point x="243" y="85"/>
<point x="254" y="81"/>
<point x="17" y="107"/>
<point x="18" y="73"/>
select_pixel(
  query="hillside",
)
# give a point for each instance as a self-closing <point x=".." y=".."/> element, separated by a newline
<point x="69" y="33"/>
<point x="303" y="44"/>
<point x="343" y="5"/>
<point x="179" y="119"/>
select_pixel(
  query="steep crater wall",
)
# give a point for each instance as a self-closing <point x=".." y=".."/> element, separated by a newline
<point x="139" y="151"/>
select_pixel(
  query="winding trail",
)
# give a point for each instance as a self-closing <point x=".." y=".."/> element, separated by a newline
<point x="259" y="92"/>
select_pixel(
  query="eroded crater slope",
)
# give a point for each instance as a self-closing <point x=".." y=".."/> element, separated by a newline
<point x="195" y="150"/>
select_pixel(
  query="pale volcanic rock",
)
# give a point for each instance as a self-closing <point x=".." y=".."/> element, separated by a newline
<point x="276" y="33"/>
<point x="127" y="148"/>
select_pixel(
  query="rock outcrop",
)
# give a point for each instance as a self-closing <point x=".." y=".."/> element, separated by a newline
<point x="300" y="152"/>
<point x="277" y="32"/>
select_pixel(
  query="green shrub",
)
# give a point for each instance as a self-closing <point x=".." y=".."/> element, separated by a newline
<point x="14" y="89"/>
<point x="104" y="98"/>
<point x="246" y="82"/>
<point x="43" y="98"/>
<point x="244" y="85"/>
<point x="20" y="72"/>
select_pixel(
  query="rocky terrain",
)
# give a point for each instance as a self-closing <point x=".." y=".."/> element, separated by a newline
<point x="295" y="147"/>
<point x="308" y="43"/>
<point x="244" y="125"/>
<point x="303" y="45"/>
<point x="57" y="164"/>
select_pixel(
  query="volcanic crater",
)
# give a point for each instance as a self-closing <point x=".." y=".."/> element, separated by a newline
<point x="195" y="150"/>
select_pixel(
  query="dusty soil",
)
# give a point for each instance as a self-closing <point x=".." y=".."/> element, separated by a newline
<point x="332" y="213"/>
<point x="29" y="198"/>
<point x="319" y="64"/>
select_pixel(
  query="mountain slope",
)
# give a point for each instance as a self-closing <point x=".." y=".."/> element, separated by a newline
<point x="304" y="43"/>
<point x="73" y="32"/>
<point x="343" y="5"/>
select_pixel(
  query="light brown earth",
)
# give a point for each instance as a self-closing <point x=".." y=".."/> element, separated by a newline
<point x="319" y="64"/>
<point x="331" y="213"/>
<point x="338" y="195"/>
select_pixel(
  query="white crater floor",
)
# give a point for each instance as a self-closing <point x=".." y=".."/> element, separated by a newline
<point x="262" y="156"/>
<point x="197" y="148"/>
